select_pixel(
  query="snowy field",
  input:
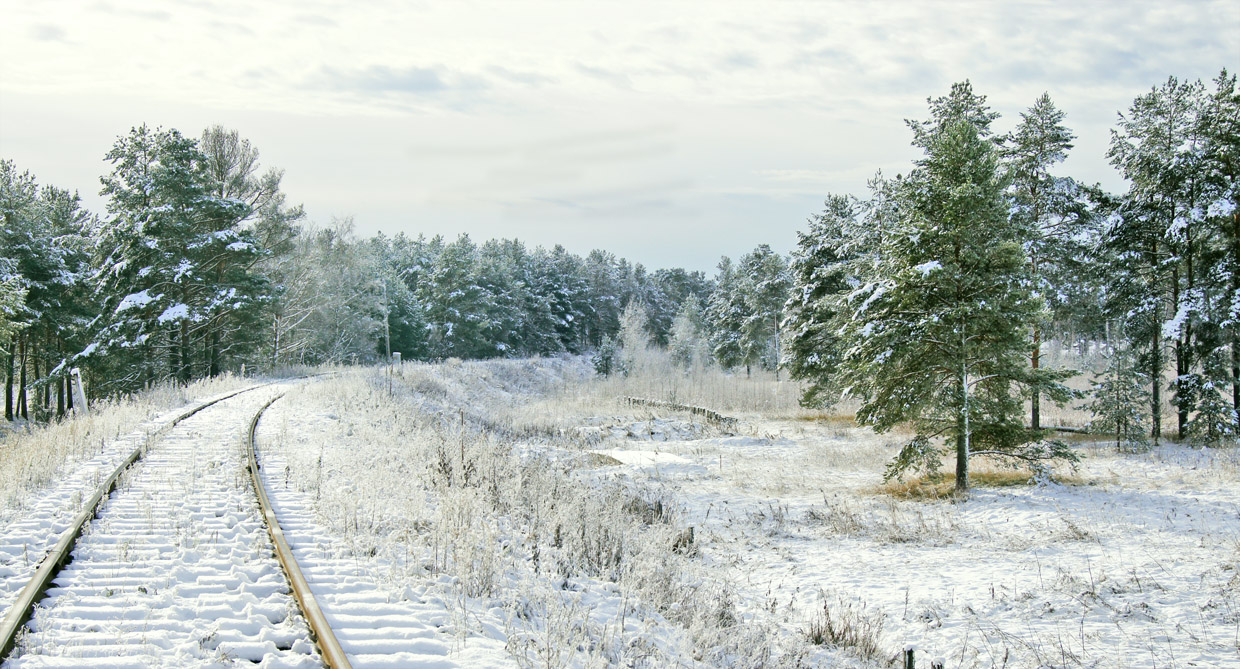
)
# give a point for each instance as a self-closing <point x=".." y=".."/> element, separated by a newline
<point x="516" y="513"/>
<point x="547" y="519"/>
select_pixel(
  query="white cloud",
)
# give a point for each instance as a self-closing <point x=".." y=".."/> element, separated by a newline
<point x="714" y="120"/>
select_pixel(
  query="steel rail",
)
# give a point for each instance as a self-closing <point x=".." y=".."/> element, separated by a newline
<point x="23" y="607"/>
<point x="329" y="647"/>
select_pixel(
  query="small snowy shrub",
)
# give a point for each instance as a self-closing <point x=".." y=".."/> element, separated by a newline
<point x="848" y="624"/>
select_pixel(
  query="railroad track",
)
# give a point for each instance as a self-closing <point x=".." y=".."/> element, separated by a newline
<point x="168" y="565"/>
<point x="180" y="559"/>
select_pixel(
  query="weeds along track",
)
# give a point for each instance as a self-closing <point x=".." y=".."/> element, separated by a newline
<point x="169" y="564"/>
<point x="355" y="619"/>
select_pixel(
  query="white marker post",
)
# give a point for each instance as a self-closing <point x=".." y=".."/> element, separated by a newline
<point x="79" y="395"/>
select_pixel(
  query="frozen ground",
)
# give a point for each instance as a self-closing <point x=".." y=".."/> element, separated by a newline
<point x="1137" y="568"/>
<point x="513" y="513"/>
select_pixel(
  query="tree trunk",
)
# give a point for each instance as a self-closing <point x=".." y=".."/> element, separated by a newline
<point x="962" y="453"/>
<point x="8" y="380"/>
<point x="1235" y="330"/>
<point x="60" y="397"/>
<point x="777" y="351"/>
<point x="962" y="420"/>
<point x="214" y="368"/>
<point x="1035" y="359"/>
<point x="183" y="349"/>
<point x="1035" y="411"/>
<point x="21" y="387"/>
<point x="1156" y="362"/>
<point x="39" y="404"/>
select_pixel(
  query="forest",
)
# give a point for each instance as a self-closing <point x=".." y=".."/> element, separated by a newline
<point x="927" y="300"/>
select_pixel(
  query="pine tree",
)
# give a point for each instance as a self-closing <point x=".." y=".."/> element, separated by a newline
<point x="1121" y="399"/>
<point x="938" y="334"/>
<point x="1159" y="149"/>
<point x="725" y="315"/>
<point x="1047" y="208"/>
<point x="248" y="240"/>
<point x="820" y="278"/>
<point x="1221" y="129"/>
<point x="170" y="261"/>
<point x="764" y="286"/>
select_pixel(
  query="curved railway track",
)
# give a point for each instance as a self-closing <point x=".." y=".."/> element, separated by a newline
<point x="168" y="563"/>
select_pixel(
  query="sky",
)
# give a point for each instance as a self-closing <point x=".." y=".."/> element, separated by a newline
<point x="670" y="133"/>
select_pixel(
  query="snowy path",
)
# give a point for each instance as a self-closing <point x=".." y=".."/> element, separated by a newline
<point x="176" y="570"/>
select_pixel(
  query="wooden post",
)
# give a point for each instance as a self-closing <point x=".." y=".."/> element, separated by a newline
<point x="909" y="661"/>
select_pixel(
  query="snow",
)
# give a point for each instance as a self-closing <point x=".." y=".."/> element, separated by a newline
<point x="1134" y="565"/>
<point x="136" y="300"/>
<point x="1172" y="328"/>
<point x="1221" y="208"/>
<point x="174" y="572"/>
<point x="642" y="457"/>
<point x="877" y="291"/>
<point x="927" y="267"/>
<point x="175" y="312"/>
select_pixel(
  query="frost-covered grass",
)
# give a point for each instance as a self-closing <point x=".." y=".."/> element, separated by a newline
<point x="1128" y="560"/>
<point x="551" y="525"/>
<point x="32" y="455"/>
<point x="449" y="489"/>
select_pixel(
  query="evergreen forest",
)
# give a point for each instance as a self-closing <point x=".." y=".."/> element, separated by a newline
<point x="927" y="300"/>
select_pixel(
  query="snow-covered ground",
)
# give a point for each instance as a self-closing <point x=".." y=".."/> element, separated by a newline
<point x="1137" y="568"/>
<point x="514" y="513"/>
<point x="1134" y="565"/>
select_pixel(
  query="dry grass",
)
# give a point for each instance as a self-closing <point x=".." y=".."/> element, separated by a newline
<point x="942" y="485"/>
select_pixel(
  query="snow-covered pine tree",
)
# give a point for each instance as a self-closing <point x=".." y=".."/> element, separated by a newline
<point x="562" y="278"/>
<point x="765" y="286"/>
<point x="938" y="335"/>
<point x="241" y="251"/>
<point x="1221" y="129"/>
<point x="457" y="304"/>
<point x="12" y="297"/>
<point x="1214" y="421"/>
<point x="604" y="305"/>
<point x="606" y="359"/>
<point x="1159" y="149"/>
<point x="725" y="314"/>
<point x="1121" y="398"/>
<point x="171" y="260"/>
<point x="1049" y="209"/>
<point x="820" y="278"/>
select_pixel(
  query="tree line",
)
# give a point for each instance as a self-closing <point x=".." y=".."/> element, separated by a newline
<point x="200" y="266"/>
<point x="928" y="299"/>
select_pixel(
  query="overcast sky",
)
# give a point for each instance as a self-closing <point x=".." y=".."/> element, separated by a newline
<point x="670" y="132"/>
